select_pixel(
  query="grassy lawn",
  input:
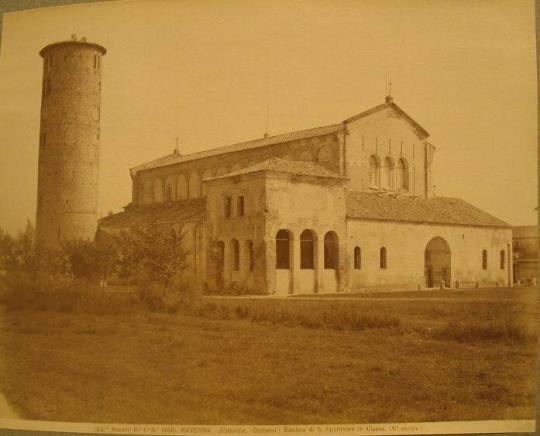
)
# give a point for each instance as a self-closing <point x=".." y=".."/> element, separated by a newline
<point x="179" y="368"/>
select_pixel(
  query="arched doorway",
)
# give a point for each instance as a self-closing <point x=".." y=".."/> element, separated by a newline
<point x="437" y="263"/>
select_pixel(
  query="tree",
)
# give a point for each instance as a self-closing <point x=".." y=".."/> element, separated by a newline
<point x="91" y="261"/>
<point x="151" y="254"/>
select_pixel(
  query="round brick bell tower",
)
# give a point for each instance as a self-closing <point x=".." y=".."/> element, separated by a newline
<point x="69" y="143"/>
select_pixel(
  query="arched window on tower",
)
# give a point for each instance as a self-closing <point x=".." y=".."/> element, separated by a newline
<point x="374" y="171"/>
<point x="403" y="175"/>
<point x="388" y="173"/>
<point x="382" y="259"/>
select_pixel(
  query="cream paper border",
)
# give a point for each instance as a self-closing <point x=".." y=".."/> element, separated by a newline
<point x="421" y="428"/>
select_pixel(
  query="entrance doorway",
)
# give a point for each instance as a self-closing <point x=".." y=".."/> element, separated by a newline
<point x="437" y="263"/>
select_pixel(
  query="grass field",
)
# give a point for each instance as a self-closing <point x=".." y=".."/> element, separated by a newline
<point x="278" y="362"/>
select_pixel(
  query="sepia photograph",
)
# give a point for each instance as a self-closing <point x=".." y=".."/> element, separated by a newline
<point x="268" y="217"/>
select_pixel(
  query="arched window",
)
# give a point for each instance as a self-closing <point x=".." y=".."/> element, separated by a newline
<point x="250" y="256"/>
<point x="382" y="260"/>
<point x="388" y="173"/>
<point x="307" y="250"/>
<point x="194" y="184"/>
<point x="484" y="259"/>
<point x="181" y="187"/>
<point x="374" y="171"/>
<point x="503" y="260"/>
<point x="330" y="251"/>
<point x="403" y="175"/>
<point x="169" y="192"/>
<point x="283" y="240"/>
<point x="235" y="255"/>
<point x="324" y="154"/>
<point x="206" y="175"/>
<point x="357" y="258"/>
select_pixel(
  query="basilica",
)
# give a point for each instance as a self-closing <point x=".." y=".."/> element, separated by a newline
<point x="344" y="207"/>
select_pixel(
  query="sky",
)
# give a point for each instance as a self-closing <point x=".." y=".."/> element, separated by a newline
<point x="213" y="73"/>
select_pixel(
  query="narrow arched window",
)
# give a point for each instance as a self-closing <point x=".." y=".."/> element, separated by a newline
<point x="330" y="251"/>
<point x="357" y="258"/>
<point x="402" y="174"/>
<point x="169" y="192"/>
<point x="382" y="258"/>
<point x="388" y="173"/>
<point x="283" y="240"/>
<point x="235" y="251"/>
<point x="374" y="169"/>
<point x="307" y="250"/>
<point x="250" y="261"/>
<point x="503" y="259"/>
<point x="484" y="259"/>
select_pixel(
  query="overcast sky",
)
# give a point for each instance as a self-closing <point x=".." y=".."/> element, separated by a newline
<point x="205" y="72"/>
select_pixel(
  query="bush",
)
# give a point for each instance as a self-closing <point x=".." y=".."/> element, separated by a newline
<point x="21" y="291"/>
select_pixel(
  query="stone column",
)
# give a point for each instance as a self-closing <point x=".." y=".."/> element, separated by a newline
<point x="270" y="264"/>
<point x="294" y="254"/>
<point x="319" y="264"/>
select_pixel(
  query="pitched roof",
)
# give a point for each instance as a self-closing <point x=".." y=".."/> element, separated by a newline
<point x="277" y="165"/>
<point x="175" y="158"/>
<point x="262" y="142"/>
<point x="390" y="104"/>
<point x="162" y="213"/>
<point x="437" y="210"/>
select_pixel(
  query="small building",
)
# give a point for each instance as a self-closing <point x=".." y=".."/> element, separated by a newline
<point x="343" y="207"/>
<point x="525" y="258"/>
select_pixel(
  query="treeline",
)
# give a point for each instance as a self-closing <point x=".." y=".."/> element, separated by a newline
<point x="153" y="257"/>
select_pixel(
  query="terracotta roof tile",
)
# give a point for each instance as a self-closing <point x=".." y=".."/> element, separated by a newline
<point x="162" y="213"/>
<point x="437" y="210"/>
<point x="277" y="165"/>
<point x="278" y="139"/>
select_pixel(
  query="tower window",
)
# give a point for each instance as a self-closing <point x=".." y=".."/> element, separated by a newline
<point x="240" y="205"/>
<point x="382" y="260"/>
